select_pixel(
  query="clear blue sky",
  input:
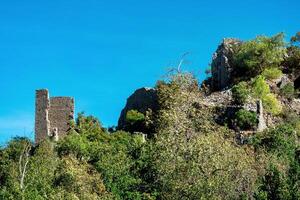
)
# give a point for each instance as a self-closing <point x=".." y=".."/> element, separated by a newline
<point x="101" y="51"/>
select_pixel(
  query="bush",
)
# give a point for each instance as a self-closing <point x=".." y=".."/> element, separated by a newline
<point x="260" y="87"/>
<point x="272" y="73"/>
<point x="135" y="121"/>
<point x="288" y="91"/>
<point x="133" y="116"/>
<point x="261" y="90"/>
<point x="281" y="178"/>
<point x="240" y="93"/>
<point x="246" y="119"/>
<point x="271" y="104"/>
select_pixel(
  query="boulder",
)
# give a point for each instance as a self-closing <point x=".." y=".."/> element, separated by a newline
<point x="141" y="100"/>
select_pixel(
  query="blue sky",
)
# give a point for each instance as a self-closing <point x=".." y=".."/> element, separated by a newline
<point x="101" y="51"/>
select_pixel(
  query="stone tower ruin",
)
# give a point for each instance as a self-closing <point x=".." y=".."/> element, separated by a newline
<point x="52" y="115"/>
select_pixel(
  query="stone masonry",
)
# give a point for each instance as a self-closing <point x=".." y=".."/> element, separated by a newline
<point x="52" y="115"/>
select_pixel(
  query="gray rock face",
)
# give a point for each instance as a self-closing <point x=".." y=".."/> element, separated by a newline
<point x="284" y="80"/>
<point x="141" y="100"/>
<point x="221" y="67"/>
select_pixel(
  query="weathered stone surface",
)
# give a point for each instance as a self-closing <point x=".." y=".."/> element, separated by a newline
<point x="60" y="113"/>
<point x="218" y="98"/>
<point x="42" y="123"/>
<point x="221" y="66"/>
<point x="284" y="80"/>
<point x="261" y="126"/>
<point x="52" y="115"/>
<point x="295" y="105"/>
<point x="141" y="100"/>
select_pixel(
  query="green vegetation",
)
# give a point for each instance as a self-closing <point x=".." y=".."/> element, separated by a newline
<point x="288" y="91"/>
<point x="133" y="116"/>
<point x="260" y="87"/>
<point x="261" y="90"/>
<point x="292" y="61"/>
<point x="272" y="73"/>
<point x="240" y="93"/>
<point x="281" y="179"/>
<point x="188" y="156"/>
<point x="254" y="56"/>
<point x="246" y="119"/>
<point x="271" y="104"/>
<point x="135" y="121"/>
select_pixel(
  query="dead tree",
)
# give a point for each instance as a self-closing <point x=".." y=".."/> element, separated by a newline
<point x="23" y="162"/>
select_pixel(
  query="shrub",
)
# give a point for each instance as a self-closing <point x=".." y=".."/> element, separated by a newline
<point x="74" y="144"/>
<point x="272" y="73"/>
<point x="135" y="121"/>
<point x="281" y="178"/>
<point x="133" y="116"/>
<point x="246" y="119"/>
<point x="240" y="93"/>
<point x="260" y="87"/>
<point x="271" y="104"/>
<point x="261" y="90"/>
<point x="288" y="91"/>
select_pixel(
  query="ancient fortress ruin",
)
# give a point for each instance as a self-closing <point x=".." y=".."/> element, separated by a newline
<point x="52" y="116"/>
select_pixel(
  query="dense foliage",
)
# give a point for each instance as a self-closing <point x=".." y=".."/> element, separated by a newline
<point x="188" y="156"/>
<point x="246" y="119"/>
<point x="254" y="56"/>
<point x="240" y="93"/>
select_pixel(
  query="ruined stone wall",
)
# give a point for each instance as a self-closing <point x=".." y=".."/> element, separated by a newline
<point x="52" y="115"/>
<point x="42" y="123"/>
<point x="60" y="114"/>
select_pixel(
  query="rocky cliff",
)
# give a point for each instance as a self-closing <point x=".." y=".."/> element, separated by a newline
<point x="141" y="100"/>
<point x="221" y="66"/>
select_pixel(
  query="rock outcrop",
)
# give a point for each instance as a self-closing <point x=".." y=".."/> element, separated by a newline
<point x="261" y="126"/>
<point x="221" y="66"/>
<point x="141" y="100"/>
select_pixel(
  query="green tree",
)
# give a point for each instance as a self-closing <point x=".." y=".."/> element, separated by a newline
<point x="282" y="167"/>
<point x="78" y="180"/>
<point x="192" y="157"/>
<point x="254" y="56"/>
<point x="116" y="156"/>
<point x="292" y="60"/>
<point x="240" y="93"/>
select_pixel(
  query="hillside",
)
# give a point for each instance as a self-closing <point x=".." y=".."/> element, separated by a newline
<point x="233" y="136"/>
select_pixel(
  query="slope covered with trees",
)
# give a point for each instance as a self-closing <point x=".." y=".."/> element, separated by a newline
<point x="188" y="152"/>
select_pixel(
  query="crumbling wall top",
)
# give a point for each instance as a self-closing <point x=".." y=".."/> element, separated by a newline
<point x="53" y="115"/>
